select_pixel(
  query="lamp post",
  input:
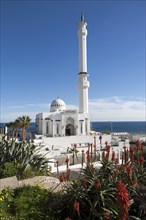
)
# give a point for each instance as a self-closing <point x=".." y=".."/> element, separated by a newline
<point x="100" y="139"/>
<point x="111" y="133"/>
<point x="111" y="130"/>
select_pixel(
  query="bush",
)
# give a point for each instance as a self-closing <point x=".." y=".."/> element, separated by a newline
<point x="6" y="201"/>
<point x="8" y="169"/>
<point x="21" y="159"/>
<point x="27" y="202"/>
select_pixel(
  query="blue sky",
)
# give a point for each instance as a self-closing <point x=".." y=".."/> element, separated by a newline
<point x="39" y="57"/>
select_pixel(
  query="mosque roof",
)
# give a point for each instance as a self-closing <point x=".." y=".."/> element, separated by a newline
<point x="57" y="105"/>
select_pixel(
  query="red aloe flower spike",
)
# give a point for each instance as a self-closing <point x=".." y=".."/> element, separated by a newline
<point x="62" y="178"/>
<point x="94" y="141"/>
<point x="123" y="200"/>
<point x="87" y="152"/>
<point x="108" y="152"/>
<point x="106" y="143"/>
<point x="85" y="182"/>
<point x="82" y="157"/>
<point x="96" y="183"/>
<point x="126" y="155"/>
<point x="91" y="150"/>
<point x="100" y="138"/>
<point x="107" y="216"/>
<point x="141" y="160"/>
<point x="132" y="151"/>
<point x="108" y="149"/>
<point x="103" y="154"/>
<point x="132" y="154"/>
<point x="68" y="174"/>
<point x="124" y="147"/>
<point x="142" y="148"/>
<point x="68" y="218"/>
<point x="135" y="182"/>
<point x="129" y="169"/>
<point x="113" y="155"/>
<point x="77" y="207"/>
<point x="122" y="158"/>
<point x="57" y="163"/>
<point x="88" y="158"/>
<point x="116" y="161"/>
<point x="94" y="149"/>
<point x="138" y="144"/>
<point x="75" y="146"/>
<point x="67" y="162"/>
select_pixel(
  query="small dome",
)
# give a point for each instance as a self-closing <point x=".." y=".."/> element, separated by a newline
<point x="58" y="105"/>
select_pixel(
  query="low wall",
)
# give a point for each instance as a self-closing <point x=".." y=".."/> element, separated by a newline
<point x="45" y="182"/>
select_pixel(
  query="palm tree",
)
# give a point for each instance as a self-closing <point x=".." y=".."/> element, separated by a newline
<point x="13" y="128"/>
<point x="24" y="123"/>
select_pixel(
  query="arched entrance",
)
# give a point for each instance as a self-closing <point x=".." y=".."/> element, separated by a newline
<point x="69" y="130"/>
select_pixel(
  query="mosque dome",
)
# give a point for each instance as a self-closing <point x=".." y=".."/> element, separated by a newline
<point x="58" y="105"/>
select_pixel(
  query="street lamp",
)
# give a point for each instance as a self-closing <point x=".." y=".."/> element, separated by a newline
<point x="111" y="130"/>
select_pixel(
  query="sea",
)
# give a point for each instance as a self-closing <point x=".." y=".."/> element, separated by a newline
<point x="124" y="126"/>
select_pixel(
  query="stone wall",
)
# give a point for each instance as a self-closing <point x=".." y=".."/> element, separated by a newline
<point x="45" y="182"/>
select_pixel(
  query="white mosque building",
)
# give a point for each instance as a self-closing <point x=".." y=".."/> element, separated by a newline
<point x="60" y="129"/>
<point x="59" y="121"/>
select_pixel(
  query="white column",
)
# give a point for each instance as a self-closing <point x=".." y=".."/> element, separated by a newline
<point x="83" y="84"/>
<point x="82" y="34"/>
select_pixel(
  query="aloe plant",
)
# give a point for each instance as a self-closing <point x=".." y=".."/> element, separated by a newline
<point x="23" y="156"/>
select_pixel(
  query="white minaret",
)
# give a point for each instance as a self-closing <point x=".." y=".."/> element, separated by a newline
<point x="83" y="84"/>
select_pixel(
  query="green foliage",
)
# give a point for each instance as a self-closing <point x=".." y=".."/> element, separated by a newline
<point x="6" y="200"/>
<point x="22" y="122"/>
<point x="115" y="191"/>
<point x="27" y="202"/>
<point x="94" y="129"/>
<point x="8" y="169"/>
<point x="22" y="159"/>
<point x="106" y="132"/>
<point x="96" y="193"/>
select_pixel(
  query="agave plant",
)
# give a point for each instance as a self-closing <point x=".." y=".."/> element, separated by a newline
<point x="23" y="155"/>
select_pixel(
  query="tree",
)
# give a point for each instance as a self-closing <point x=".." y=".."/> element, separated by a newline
<point x="14" y="127"/>
<point x="24" y="123"/>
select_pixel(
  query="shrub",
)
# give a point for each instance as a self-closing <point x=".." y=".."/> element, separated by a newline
<point x="8" y="169"/>
<point x="27" y="202"/>
<point x="21" y="159"/>
<point x="6" y="201"/>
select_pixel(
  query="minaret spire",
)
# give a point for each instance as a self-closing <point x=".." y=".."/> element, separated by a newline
<point x="82" y="17"/>
<point x="82" y="34"/>
<point x="83" y="84"/>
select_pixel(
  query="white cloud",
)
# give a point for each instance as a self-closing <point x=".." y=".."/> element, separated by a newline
<point x="72" y="107"/>
<point x="103" y="109"/>
<point x="118" y="109"/>
<point x="11" y="116"/>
